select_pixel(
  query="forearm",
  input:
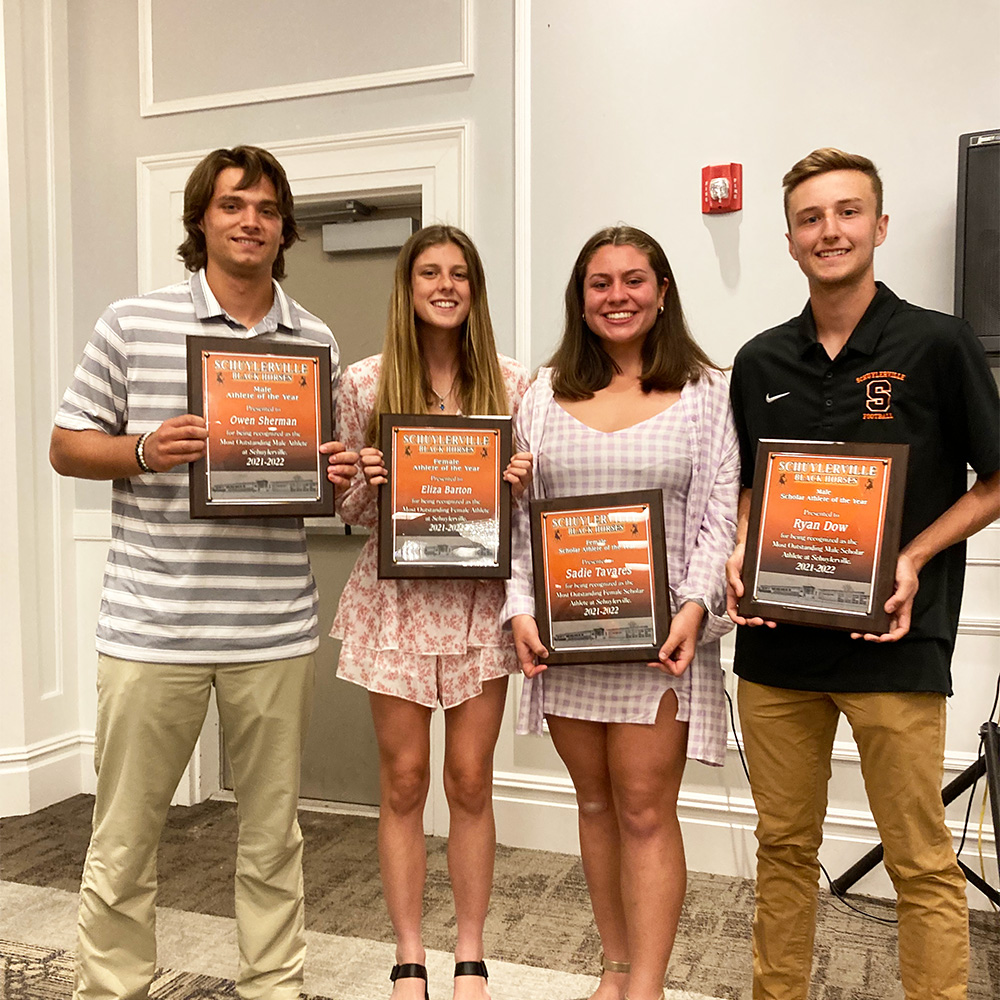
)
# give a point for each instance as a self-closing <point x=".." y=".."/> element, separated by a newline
<point x="355" y="400"/>
<point x="92" y="454"/>
<point x="359" y="505"/>
<point x="969" y="514"/>
<point x="520" y="585"/>
<point x="704" y="578"/>
<point x="734" y="564"/>
<point x="743" y="515"/>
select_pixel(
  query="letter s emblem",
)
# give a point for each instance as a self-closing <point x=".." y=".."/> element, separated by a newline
<point x="879" y="395"/>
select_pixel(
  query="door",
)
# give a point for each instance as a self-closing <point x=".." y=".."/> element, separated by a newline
<point x="350" y="293"/>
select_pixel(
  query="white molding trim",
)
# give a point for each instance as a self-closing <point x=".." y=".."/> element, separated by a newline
<point x="37" y="753"/>
<point x="92" y="525"/>
<point x="516" y="786"/>
<point x="978" y="626"/>
<point x="847" y="752"/>
<point x="150" y="107"/>
<point x="57" y="281"/>
<point x="431" y="159"/>
<point x="522" y="182"/>
<point x="95" y="525"/>
<point x="36" y="775"/>
<point x="555" y="796"/>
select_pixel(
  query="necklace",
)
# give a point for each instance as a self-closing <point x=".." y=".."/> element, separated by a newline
<point x="443" y="399"/>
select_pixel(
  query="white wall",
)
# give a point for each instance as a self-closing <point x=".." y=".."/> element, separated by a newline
<point x="582" y="113"/>
<point x="629" y="103"/>
<point x="624" y="105"/>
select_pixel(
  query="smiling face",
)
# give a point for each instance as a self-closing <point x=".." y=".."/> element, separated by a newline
<point x="621" y="296"/>
<point x="242" y="227"/>
<point x="439" y="281"/>
<point x="833" y="228"/>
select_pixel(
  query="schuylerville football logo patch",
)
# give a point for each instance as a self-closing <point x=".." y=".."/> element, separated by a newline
<point x="878" y="394"/>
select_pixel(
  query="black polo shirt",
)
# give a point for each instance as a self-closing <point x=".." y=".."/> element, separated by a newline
<point x="906" y="375"/>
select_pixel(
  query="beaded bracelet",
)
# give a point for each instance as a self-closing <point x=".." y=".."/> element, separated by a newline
<point x="140" y="456"/>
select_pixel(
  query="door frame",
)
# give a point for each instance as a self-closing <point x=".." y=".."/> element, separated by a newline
<point x="431" y="160"/>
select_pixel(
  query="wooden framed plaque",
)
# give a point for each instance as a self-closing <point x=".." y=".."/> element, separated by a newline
<point x="445" y="510"/>
<point x="600" y="573"/>
<point x="823" y="534"/>
<point x="268" y="406"/>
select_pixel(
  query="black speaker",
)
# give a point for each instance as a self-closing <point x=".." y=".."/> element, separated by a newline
<point x="977" y="238"/>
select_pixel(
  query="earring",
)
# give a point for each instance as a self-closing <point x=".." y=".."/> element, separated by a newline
<point x="660" y="311"/>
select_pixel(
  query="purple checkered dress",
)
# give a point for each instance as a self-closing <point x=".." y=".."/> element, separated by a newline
<point x="689" y="451"/>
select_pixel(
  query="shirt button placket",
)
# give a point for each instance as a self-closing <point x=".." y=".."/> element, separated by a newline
<point x="826" y="415"/>
<point x="828" y="379"/>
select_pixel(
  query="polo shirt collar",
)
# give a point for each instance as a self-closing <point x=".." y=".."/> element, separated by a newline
<point x="282" y="313"/>
<point x="865" y="337"/>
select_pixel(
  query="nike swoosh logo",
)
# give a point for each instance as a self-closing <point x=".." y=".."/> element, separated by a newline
<point x="770" y="399"/>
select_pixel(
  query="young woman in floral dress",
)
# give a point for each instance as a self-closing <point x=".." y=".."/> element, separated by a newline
<point x="416" y="643"/>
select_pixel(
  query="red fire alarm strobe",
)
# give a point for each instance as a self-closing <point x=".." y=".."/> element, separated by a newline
<point x="722" y="188"/>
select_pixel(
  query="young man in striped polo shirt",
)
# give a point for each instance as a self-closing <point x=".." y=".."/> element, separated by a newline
<point x="188" y="605"/>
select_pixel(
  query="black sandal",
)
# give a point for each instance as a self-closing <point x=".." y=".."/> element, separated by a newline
<point x="410" y="970"/>
<point x="471" y="969"/>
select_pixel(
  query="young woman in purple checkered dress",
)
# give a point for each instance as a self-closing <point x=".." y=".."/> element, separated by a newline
<point x="417" y="643"/>
<point x="629" y="401"/>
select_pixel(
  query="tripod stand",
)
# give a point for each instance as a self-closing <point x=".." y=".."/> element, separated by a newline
<point x="988" y="764"/>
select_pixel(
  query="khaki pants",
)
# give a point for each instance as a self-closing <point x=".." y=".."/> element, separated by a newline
<point x="788" y="737"/>
<point x="149" y="716"/>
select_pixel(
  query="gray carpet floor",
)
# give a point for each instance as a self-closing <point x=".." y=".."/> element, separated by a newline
<point x="540" y="914"/>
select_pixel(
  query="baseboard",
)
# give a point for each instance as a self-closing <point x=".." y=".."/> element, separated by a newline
<point x="40" y="774"/>
<point x="539" y="812"/>
<point x="532" y="811"/>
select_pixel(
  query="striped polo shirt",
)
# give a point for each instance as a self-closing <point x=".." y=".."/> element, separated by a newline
<point x="178" y="590"/>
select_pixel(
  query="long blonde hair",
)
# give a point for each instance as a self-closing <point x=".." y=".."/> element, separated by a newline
<point x="403" y="383"/>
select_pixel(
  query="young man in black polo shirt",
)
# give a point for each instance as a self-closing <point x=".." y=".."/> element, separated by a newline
<point x="860" y="364"/>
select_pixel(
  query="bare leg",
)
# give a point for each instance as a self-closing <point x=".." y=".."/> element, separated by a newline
<point x="471" y="731"/>
<point x="583" y="748"/>
<point x="646" y="765"/>
<point x="402" y="729"/>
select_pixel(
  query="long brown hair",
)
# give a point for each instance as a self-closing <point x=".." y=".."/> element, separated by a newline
<point x="403" y="384"/>
<point x="670" y="356"/>
<point x="255" y="163"/>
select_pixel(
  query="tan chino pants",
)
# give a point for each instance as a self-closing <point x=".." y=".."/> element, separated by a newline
<point x="149" y="716"/>
<point x="788" y="737"/>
